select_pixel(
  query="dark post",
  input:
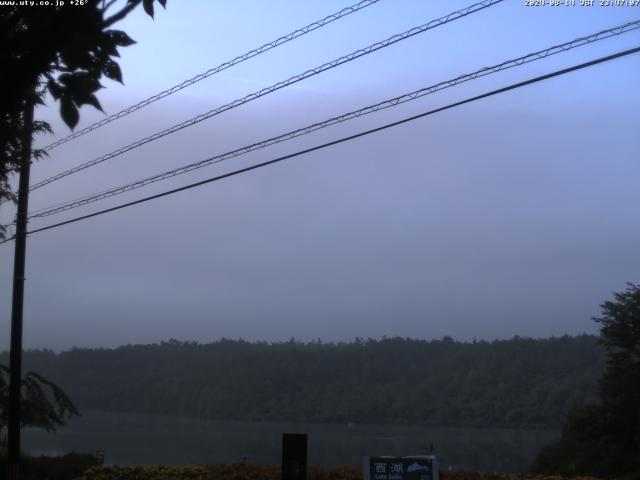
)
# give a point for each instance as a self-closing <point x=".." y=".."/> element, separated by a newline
<point x="15" y="356"/>
<point x="294" y="456"/>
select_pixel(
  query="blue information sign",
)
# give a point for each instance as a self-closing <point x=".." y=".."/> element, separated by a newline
<point x="419" y="467"/>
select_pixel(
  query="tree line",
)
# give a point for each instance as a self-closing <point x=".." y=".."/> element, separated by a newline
<point x="508" y="383"/>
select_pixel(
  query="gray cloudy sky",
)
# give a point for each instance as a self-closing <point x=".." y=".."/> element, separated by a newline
<point x="516" y="215"/>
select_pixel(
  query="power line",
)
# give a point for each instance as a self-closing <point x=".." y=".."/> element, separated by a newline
<point x="12" y="237"/>
<point x="297" y="78"/>
<point x="345" y="139"/>
<point x="531" y="57"/>
<point x="223" y="66"/>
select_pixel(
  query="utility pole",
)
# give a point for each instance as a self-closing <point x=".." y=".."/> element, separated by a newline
<point x="15" y="355"/>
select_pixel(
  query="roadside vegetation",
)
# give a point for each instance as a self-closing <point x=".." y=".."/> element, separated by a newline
<point x="74" y="467"/>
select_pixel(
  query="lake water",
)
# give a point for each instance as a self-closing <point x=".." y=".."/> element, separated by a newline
<point x="155" y="440"/>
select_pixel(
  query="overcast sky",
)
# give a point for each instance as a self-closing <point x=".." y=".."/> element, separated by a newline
<point x="514" y="215"/>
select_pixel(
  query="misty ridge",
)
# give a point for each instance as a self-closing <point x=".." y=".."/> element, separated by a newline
<point x="517" y="383"/>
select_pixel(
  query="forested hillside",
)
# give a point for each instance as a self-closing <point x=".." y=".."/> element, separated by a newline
<point x="515" y="383"/>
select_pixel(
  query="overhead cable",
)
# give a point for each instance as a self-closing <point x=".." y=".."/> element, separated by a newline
<point x="265" y="91"/>
<point x="223" y="66"/>
<point x="344" y="139"/>
<point x="525" y="59"/>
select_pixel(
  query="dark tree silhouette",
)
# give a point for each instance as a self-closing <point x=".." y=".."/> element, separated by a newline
<point x="61" y="50"/>
<point x="44" y="404"/>
<point x="604" y="439"/>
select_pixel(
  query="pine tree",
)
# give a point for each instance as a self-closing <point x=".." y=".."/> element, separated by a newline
<point x="604" y="439"/>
